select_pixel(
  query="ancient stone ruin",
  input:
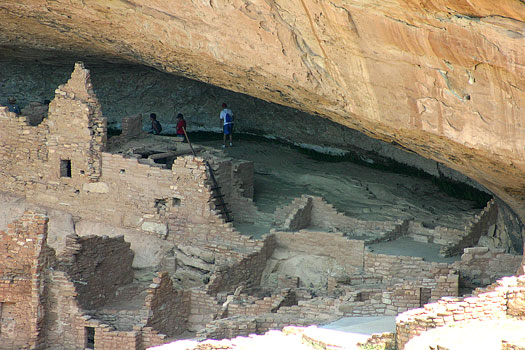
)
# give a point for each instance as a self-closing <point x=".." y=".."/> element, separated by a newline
<point x="110" y="245"/>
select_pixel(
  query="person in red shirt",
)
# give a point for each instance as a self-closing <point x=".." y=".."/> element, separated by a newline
<point x="181" y="126"/>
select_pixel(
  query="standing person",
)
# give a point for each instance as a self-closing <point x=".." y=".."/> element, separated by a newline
<point x="12" y="106"/>
<point x="155" y="124"/>
<point x="181" y="126"/>
<point x="226" y="118"/>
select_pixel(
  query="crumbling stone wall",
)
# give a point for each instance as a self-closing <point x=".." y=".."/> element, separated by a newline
<point x="473" y="230"/>
<point x="168" y="308"/>
<point x="480" y="266"/>
<point x="229" y="328"/>
<point x="455" y="240"/>
<point x="67" y="325"/>
<point x="247" y="272"/>
<point x="64" y="322"/>
<point x="98" y="266"/>
<point x="422" y="232"/>
<point x="61" y="164"/>
<point x="131" y="126"/>
<point x="495" y="303"/>
<point x="77" y="130"/>
<point x="204" y="309"/>
<point x="315" y="213"/>
<point x="22" y="289"/>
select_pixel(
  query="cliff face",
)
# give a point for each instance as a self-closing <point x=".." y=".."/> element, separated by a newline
<point x="444" y="78"/>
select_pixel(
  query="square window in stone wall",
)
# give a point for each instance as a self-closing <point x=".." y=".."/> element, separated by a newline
<point x="65" y="168"/>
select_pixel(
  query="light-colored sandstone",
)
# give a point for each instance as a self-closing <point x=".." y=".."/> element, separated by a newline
<point x="442" y="78"/>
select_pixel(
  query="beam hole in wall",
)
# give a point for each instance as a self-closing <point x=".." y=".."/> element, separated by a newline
<point x="90" y="337"/>
<point x="82" y="172"/>
<point x="362" y="296"/>
<point x="65" y="168"/>
<point x="122" y="171"/>
<point x="176" y="202"/>
<point x="424" y="296"/>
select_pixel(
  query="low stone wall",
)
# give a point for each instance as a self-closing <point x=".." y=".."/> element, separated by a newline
<point x="348" y="253"/>
<point x="246" y="305"/>
<point x="380" y="341"/>
<point x="315" y="213"/>
<point x="441" y="278"/>
<point x="203" y="310"/>
<point x="324" y="215"/>
<point x="480" y="266"/>
<point x="294" y="216"/>
<point x="494" y="304"/>
<point x="229" y="328"/>
<point x="473" y="230"/>
<point x="246" y="272"/>
<point x="437" y="234"/>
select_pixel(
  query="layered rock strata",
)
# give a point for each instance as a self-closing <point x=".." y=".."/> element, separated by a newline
<point x="442" y="78"/>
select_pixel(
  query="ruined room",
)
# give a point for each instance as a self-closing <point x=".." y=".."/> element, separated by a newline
<point x="371" y="195"/>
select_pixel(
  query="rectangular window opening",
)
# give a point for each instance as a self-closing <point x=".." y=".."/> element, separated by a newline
<point x="90" y="337"/>
<point x="425" y="294"/>
<point x="65" y="168"/>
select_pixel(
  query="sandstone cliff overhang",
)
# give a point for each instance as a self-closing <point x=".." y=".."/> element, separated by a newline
<point x="443" y="78"/>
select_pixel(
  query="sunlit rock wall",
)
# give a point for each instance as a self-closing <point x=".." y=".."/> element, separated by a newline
<point x="444" y="78"/>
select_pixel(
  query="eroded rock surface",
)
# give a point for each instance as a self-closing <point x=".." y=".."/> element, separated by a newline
<point x="443" y="78"/>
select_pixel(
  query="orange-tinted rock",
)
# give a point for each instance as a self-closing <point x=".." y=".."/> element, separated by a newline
<point x="444" y="78"/>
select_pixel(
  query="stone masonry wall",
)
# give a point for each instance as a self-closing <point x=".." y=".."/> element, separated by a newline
<point x="326" y="216"/>
<point x="204" y="309"/>
<point x="480" y="266"/>
<point x="439" y="277"/>
<point x="131" y="126"/>
<point x="75" y="107"/>
<point x="314" y="212"/>
<point x="496" y="303"/>
<point x="39" y="303"/>
<point x="348" y="253"/>
<point x="99" y="266"/>
<point x="24" y="257"/>
<point x="61" y="164"/>
<point x="473" y="230"/>
<point x="168" y="308"/>
<point x="247" y="272"/>
<point x="67" y="325"/>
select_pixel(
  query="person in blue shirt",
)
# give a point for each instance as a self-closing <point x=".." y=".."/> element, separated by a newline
<point x="226" y="118"/>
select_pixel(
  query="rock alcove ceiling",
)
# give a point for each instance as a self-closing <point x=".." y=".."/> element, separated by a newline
<point x="442" y="78"/>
